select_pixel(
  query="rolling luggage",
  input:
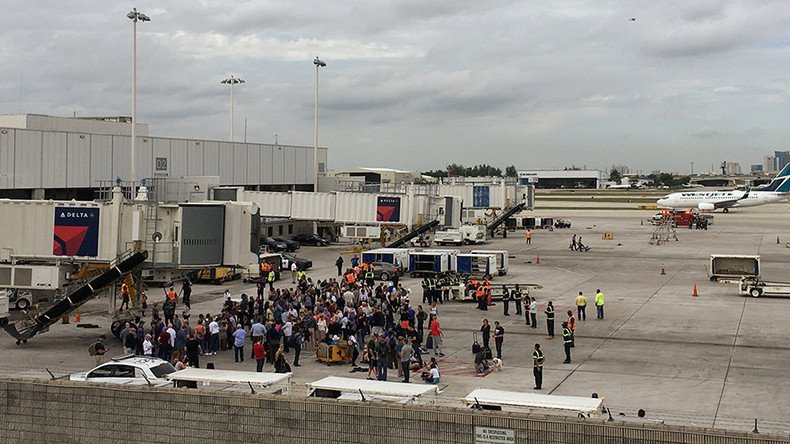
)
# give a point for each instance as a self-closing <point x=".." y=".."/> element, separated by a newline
<point x="476" y="347"/>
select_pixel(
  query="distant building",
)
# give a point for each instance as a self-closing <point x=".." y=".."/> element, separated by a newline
<point x="382" y="175"/>
<point x="757" y="168"/>
<point x="590" y="179"/>
<point x="732" y="168"/>
<point x="781" y="158"/>
<point x="768" y="164"/>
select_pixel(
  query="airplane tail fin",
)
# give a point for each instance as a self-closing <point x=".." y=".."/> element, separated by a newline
<point x="784" y="177"/>
<point x="785" y="172"/>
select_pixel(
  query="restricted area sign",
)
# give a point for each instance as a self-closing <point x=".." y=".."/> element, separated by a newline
<point x="490" y="435"/>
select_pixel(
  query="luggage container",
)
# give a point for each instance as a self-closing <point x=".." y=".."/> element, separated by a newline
<point x="502" y="259"/>
<point x="394" y="256"/>
<point x="528" y="223"/>
<point x="733" y="266"/>
<point x="545" y="222"/>
<point x="472" y="264"/>
<point x="429" y="262"/>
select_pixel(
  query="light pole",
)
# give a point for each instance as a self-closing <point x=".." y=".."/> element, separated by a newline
<point x="232" y="81"/>
<point x="318" y="64"/>
<point x="135" y="16"/>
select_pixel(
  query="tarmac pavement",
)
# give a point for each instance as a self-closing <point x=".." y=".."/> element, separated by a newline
<point x="717" y="360"/>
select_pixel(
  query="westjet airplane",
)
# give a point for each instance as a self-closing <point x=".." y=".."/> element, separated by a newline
<point x="777" y="191"/>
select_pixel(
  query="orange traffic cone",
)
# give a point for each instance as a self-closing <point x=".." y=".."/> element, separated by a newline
<point x="694" y="293"/>
<point x="537" y="259"/>
<point x="663" y="270"/>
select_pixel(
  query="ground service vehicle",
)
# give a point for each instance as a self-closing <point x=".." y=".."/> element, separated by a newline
<point x="754" y="287"/>
<point x="129" y="369"/>
<point x="562" y="223"/>
<point x="217" y="275"/>
<point x="467" y="234"/>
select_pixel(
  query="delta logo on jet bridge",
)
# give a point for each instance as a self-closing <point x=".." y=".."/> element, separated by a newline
<point x="76" y="231"/>
<point x="388" y="209"/>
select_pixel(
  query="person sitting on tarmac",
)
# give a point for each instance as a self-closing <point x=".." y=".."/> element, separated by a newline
<point x="481" y="364"/>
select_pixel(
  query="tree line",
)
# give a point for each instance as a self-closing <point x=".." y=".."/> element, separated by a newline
<point x="482" y="170"/>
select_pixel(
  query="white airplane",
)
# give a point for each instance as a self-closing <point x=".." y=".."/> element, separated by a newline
<point x="777" y="191"/>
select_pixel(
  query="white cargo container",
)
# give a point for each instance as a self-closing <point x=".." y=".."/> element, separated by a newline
<point x="475" y="264"/>
<point x="430" y="262"/>
<point x="395" y="256"/>
<point x="467" y="234"/>
<point x="733" y="266"/>
<point x="502" y="259"/>
<point x="312" y="206"/>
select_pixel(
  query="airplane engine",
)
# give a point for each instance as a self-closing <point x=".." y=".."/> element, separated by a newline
<point x="705" y="206"/>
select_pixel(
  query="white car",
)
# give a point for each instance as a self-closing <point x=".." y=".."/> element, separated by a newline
<point x="129" y="369"/>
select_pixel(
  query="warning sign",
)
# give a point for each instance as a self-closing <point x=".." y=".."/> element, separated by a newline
<point x="490" y="435"/>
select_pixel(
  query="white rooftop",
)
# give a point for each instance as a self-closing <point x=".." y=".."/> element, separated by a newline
<point x="229" y="376"/>
<point x="533" y="400"/>
<point x="383" y="388"/>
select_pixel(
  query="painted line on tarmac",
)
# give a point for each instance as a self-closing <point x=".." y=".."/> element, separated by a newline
<point x="729" y="363"/>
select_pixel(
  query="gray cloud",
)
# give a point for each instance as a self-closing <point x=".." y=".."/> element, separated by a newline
<point x="422" y="84"/>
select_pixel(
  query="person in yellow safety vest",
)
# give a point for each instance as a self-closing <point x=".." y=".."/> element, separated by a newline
<point x="300" y="276"/>
<point x="369" y="276"/>
<point x="270" y="278"/>
<point x="432" y="289"/>
<point x="599" y="304"/>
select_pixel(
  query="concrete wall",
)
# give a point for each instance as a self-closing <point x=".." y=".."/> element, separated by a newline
<point x="63" y="411"/>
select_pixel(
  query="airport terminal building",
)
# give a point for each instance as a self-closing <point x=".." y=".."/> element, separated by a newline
<point x="45" y="157"/>
<point x="583" y="179"/>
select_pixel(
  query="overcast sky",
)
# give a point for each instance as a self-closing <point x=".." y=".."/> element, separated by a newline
<point x="419" y="84"/>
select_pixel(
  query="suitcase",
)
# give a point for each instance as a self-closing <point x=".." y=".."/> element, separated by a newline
<point x="475" y="344"/>
<point x="429" y="343"/>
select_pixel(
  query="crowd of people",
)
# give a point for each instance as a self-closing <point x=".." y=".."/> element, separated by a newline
<point x="378" y="323"/>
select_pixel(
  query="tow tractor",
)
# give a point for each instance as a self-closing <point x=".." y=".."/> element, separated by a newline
<point x="755" y="287"/>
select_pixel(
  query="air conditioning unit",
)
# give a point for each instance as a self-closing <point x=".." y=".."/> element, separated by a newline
<point x="360" y="232"/>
